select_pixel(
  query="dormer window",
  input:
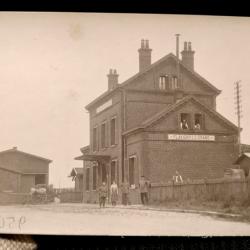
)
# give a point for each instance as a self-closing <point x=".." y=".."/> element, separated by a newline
<point x="185" y="121"/>
<point x="198" y="124"/>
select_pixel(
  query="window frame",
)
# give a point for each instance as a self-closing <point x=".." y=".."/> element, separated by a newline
<point x="116" y="171"/>
<point x="94" y="177"/>
<point x="162" y="82"/>
<point x="115" y="131"/>
<point x="202" y="121"/>
<point x="188" y="121"/>
<point x="87" y="187"/>
<point x="95" y="139"/>
<point x="103" y="141"/>
<point x="134" y="156"/>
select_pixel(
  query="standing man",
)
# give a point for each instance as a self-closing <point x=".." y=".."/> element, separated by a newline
<point x="144" y="187"/>
<point x="125" y="192"/>
<point x="103" y="191"/>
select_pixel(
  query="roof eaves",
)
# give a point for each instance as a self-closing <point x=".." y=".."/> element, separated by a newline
<point x="28" y="154"/>
<point x="167" y="110"/>
<point x="126" y="82"/>
<point x="105" y="94"/>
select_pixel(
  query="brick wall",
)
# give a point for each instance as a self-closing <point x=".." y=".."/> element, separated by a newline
<point x="191" y="159"/>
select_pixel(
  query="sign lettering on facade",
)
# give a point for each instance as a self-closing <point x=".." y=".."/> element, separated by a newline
<point x="178" y="137"/>
<point x="104" y="106"/>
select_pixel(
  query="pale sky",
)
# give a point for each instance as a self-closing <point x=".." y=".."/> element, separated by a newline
<point x="54" y="64"/>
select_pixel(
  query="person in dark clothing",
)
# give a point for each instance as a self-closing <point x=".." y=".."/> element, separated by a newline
<point x="125" y="192"/>
<point x="103" y="191"/>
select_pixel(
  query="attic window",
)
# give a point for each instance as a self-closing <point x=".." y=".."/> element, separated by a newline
<point x="163" y="82"/>
<point x="174" y="82"/>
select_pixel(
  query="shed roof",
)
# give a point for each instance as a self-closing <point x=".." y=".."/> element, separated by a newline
<point x="15" y="150"/>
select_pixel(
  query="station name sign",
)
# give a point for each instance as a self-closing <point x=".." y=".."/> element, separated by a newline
<point x="104" y="106"/>
<point x="181" y="137"/>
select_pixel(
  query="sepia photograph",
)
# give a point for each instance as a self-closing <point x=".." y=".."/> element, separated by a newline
<point x="124" y="124"/>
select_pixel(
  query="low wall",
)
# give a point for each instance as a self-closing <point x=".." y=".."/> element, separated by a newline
<point x="201" y="190"/>
<point x="13" y="198"/>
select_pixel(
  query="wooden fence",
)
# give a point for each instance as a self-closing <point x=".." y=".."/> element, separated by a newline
<point x="213" y="190"/>
<point x="71" y="197"/>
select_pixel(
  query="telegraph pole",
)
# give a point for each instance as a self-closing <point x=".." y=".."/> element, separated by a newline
<point x="238" y="108"/>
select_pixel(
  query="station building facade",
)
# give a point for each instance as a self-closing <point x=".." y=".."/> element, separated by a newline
<point x="161" y="120"/>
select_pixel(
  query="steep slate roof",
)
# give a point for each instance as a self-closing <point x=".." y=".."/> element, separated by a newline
<point x="131" y="79"/>
<point x="15" y="150"/>
<point x="154" y="119"/>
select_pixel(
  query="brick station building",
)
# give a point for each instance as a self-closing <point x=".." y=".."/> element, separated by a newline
<point x="158" y="121"/>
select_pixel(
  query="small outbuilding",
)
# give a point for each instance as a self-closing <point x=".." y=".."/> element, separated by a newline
<point x="20" y="171"/>
<point x="244" y="163"/>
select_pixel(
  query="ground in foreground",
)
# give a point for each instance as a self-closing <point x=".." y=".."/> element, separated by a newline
<point x="85" y="219"/>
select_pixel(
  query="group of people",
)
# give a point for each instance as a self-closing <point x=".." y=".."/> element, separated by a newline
<point x="184" y="125"/>
<point x="144" y="186"/>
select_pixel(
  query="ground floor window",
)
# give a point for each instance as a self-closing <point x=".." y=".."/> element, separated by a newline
<point x="87" y="178"/>
<point x="131" y="169"/>
<point x="113" y="170"/>
<point x="94" y="177"/>
<point x="40" y="179"/>
<point x="104" y="174"/>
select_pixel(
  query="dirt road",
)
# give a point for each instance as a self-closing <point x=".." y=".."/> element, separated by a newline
<point x="82" y="219"/>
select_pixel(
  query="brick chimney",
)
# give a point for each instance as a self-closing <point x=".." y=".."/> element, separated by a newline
<point x="112" y="79"/>
<point x="144" y="55"/>
<point x="188" y="56"/>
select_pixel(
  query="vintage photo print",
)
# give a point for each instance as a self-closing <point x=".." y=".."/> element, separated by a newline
<point x="124" y="124"/>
